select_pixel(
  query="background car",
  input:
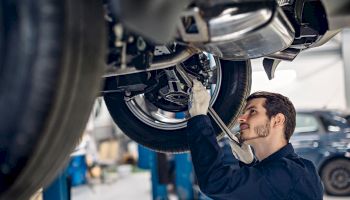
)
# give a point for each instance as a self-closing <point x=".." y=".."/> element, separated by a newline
<point x="323" y="136"/>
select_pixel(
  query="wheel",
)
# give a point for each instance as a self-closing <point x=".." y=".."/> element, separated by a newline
<point x="336" y="177"/>
<point x="51" y="53"/>
<point x="155" y="128"/>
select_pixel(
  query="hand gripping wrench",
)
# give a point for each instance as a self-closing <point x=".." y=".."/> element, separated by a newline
<point x="211" y="111"/>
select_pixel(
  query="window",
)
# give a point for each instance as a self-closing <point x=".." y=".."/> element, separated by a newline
<point x="306" y="123"/>
<point x="333" y="122"/>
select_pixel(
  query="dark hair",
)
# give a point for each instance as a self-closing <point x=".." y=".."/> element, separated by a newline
<point x="277" y="103"/>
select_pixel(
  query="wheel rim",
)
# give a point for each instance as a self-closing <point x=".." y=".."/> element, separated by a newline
<point x="155" y="117"/>
<point x="340" y="178"/>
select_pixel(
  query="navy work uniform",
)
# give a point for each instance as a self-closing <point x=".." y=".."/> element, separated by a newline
<point x="282" y="175"/>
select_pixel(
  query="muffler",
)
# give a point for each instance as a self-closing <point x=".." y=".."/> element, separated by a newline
<point x="238" y="31"/>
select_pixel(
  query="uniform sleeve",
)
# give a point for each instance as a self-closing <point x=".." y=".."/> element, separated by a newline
<point x="215" y="179"/>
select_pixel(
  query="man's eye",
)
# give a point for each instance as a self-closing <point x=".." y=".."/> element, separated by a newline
<point x="252" y="111"/>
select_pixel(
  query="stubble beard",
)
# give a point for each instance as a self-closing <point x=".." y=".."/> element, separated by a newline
<point x="263" y="130"/>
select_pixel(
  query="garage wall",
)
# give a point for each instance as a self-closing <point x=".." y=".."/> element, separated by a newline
<point x="315" y="79"/>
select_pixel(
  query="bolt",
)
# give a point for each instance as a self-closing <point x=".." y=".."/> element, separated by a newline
<point x="127" y="93"/>
<point x="131" y="39"/>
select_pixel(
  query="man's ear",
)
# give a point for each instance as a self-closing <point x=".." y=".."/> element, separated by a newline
<point x="279" y="119"/>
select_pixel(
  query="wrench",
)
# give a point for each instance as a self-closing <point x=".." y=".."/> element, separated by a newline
<point x="211" y="111"/>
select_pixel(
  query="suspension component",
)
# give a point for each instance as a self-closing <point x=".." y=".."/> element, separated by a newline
<point x="174" y="91"/>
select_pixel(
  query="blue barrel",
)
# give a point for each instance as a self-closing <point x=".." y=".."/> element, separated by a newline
<point x="144" y="160"/>
<point x="77" y="170"/>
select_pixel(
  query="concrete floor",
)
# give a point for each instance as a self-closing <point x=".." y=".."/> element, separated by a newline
<point x="135" y="186"/>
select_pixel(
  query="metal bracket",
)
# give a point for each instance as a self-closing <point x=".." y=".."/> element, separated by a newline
<point x="270" y="66"/>
<point x="201" y="34"/>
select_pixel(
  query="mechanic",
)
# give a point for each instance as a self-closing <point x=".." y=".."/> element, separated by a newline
<point x="276" y="171"/>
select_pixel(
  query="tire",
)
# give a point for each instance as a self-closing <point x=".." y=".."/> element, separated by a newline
<point x="51" y="58"/>
<point x="235" y="86"/>
<point x="336" y="177"/>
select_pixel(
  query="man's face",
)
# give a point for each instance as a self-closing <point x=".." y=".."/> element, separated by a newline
<point x="254" y="122"/>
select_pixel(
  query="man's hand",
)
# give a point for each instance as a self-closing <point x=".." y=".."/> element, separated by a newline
<point x="199" y="101"/>
<point x="243" y="153"/>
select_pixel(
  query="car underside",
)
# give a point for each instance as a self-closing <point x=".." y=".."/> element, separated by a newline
<point x="57" y="56"/>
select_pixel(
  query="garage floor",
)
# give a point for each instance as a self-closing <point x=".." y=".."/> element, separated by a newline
<point x="133" y="186"/>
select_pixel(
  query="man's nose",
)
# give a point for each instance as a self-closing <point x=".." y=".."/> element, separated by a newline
<point x="242" y="118"/>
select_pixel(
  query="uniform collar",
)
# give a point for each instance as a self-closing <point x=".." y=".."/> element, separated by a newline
<point x="283" y="152"/>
